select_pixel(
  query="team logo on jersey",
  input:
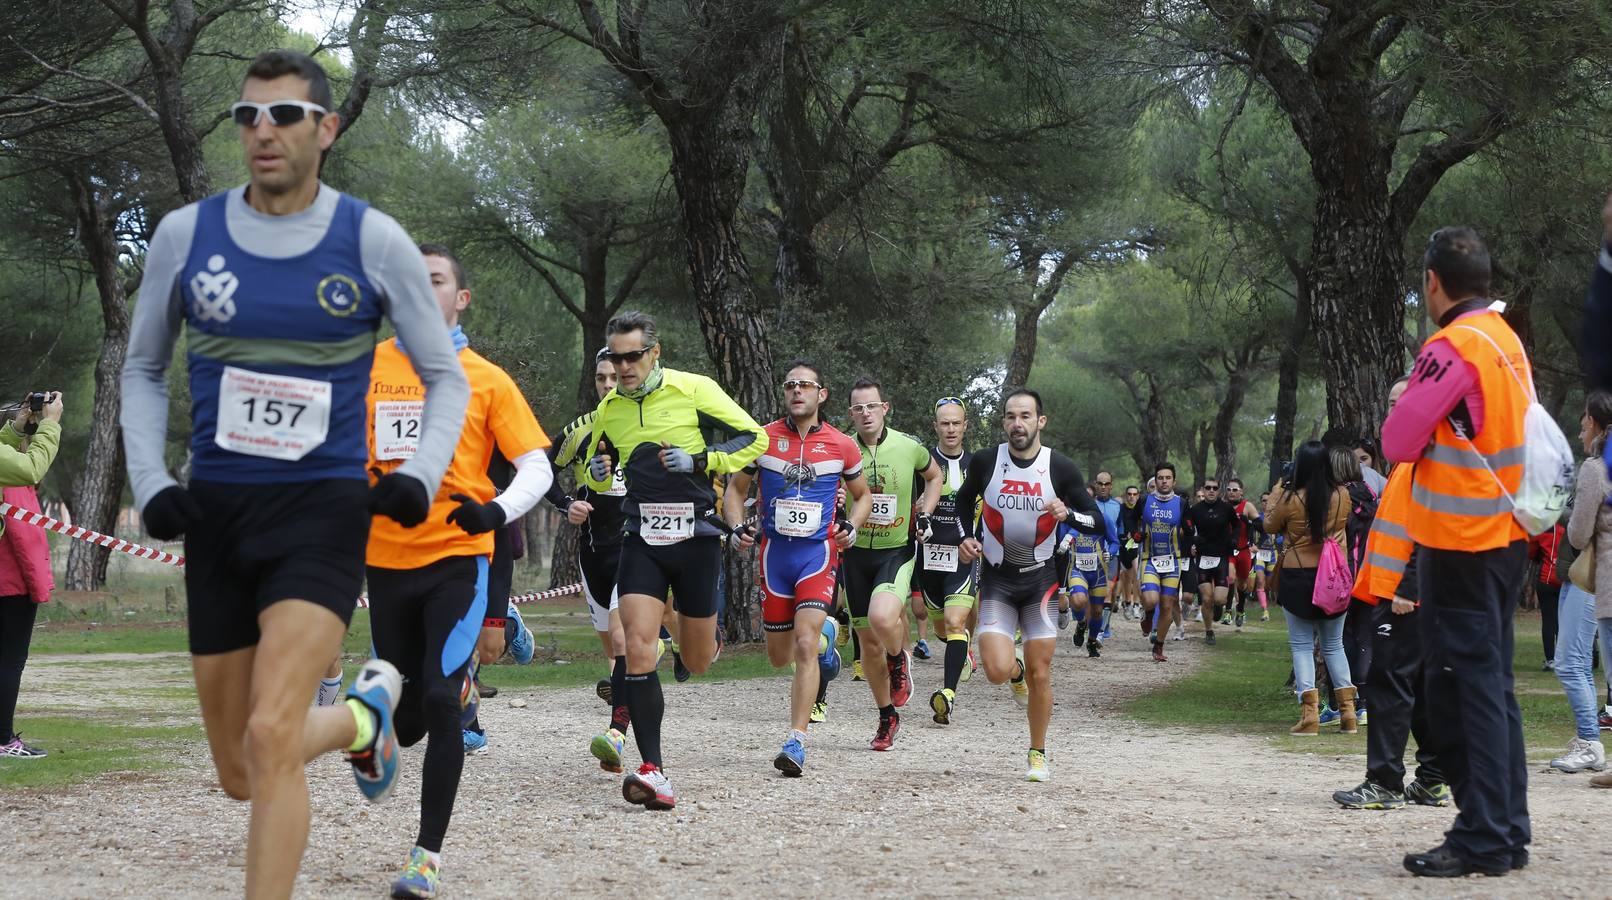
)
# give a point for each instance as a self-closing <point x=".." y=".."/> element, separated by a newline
<point x="783" y="445"/>
<point x="338" y="294"/>
<point x="819" y="450"/>
<point x="799" y="476"/>
<point x="213" y="292"/>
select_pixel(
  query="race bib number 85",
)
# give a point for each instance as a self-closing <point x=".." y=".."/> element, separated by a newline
<point x="884" y="510"/>
<point x="272" y="416"/>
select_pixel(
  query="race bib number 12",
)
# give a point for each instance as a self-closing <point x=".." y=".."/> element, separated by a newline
<point x="397" y="428"/>
<point x="272" y="416"/>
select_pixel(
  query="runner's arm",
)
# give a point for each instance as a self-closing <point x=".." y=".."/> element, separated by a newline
<point x="521" y="439"/>
<point x="393" y="264"/>
<point x="158" y="316"/>
<point x="733" y="498"/>
<point x="719" y="412"/>
<point x="28" y="467"/>
<point x="972" y="488"/>
<point x="933" y="479"/>
<point x="533" y="477"/>
<point x="1068" y="486"/>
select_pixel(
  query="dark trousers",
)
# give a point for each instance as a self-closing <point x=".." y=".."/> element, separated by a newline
<point x="1467" y="604"/>
<point x="16" y="633"/>
<point x="1357" y="648"/>
<point x="1398" y="708"/>
<point x="1550" y="597"/>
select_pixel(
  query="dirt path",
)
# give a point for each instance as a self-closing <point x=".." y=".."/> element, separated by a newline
<point x="1130" y="810"/>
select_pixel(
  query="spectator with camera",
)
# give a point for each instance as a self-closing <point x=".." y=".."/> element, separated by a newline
<point x="27" y="448"/>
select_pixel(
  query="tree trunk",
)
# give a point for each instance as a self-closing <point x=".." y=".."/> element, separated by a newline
<point x="1200" y="454"/>
<point x="184" y="145"/>
<point x="1287" y="383"/>
<point x="1225" y="446"/>
<point x="98" y="491"/>
<point x="1356" y="294"/>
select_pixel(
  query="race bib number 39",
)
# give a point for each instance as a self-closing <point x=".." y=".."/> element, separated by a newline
<point x="660" y="524"/>
<point x="397" y="428"/>
<point x="939" y="557"/>
<point x="272" y="416"/>
<point x="797" y="518"/>
<point x="884" y="510"/>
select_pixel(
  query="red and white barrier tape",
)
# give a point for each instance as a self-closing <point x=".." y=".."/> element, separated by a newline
<point x="93" y="537"/>
<point x="174" y="559"/>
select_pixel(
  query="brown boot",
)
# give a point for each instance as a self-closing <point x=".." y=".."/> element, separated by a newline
<point x="1348" y="722"/>
<point x="1309" y="714"/>
<point x="1603" y="780"/>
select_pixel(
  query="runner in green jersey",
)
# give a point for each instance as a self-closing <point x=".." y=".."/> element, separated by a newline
<point x="878" y="567"/>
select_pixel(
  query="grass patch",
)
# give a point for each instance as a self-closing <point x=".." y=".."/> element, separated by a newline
<point x="169" y="638"/>
<point x="1240" y="689"/>
<point x="85" y="747"/>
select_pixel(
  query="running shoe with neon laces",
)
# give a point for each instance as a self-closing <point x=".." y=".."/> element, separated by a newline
<point x="1421" y="793"/>
<point x="16" y="749"/>
<point x="475" y="742"/>
<point x="941" y="702"/>
<point x="856" y="670"/>
<point x="524" y="646"/>
<point x="901" y="680"/>
<point x="649" y="787"/>
<point x="1369" y="796"/>
<point x="604" y="691"/>
<point x="420" y="877"/>
<point x="1360" y="716"/>
<point x="607" y="749"/>
<point x="1037" y="769"/>
<point x="828" y="655"/>
<point x="1225" y="617"/>
<point x="1264" y="615"/>
<point x="378" y="687"/>
<point x="791" y="758"/>
<point x="973" y="666"/>
<point x="1330" y="716"/>
<point x="1238" y="623"/>
<point x="885" y="737"/>
<point x="819" y="712"/>
<point x="921" y="649"/>
<point x="1021" y="691"/>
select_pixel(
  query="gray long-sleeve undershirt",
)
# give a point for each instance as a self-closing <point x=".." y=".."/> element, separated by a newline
<point x="392" y="262"/>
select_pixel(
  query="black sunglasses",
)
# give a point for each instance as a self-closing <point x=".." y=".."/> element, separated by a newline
<point x="630" y="357"/>
<point x="281" y="112"/>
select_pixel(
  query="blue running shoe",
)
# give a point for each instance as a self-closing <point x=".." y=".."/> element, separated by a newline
<point x="1330" y="716"/>
<point x="828" y="661"/>
<point x="469" y="699"/>
<point x="921" y="649"/>
<point x="475" y="742"/>
<point x="420" y="877"/>
<point x="378" y="686"/>
<point x="791" y="758"/>
<point x="523" y="646"/>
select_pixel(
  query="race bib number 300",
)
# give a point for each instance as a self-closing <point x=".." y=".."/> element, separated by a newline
<point x="660" y="524"/>
<point x="797" y="518"/>
<point x="1087" y="562"/>
<point x="884" y="510"/>
<point x="272" y="416"/>
<point x="939" y="557"/>
<point x="397" y="428"/>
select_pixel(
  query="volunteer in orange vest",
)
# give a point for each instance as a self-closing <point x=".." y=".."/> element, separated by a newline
<point x="428" y="584"/>
<point x="1398" y="703"/>
<point x="1460" y="425"/>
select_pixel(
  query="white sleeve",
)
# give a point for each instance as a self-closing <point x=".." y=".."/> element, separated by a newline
<point x="533" y="475"/>
<point x="158" y="319"/>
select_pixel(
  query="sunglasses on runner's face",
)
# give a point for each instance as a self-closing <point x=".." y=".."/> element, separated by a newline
<point x="945" y="400"/>
<point x="281" y="112"/>
<point x="631" y="357"/>
<point x="801" y="384"/>
<point x="1211" y="487"/>
<point x="859" y="408"/>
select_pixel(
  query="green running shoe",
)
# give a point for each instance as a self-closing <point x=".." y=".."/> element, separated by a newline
<point x="1369" y="796"/>
<point x="419" y="879"/>
<point x="1421" y="793"/>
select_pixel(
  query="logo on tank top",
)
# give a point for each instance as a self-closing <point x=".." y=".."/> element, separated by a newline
<point x="213" y="292"/>
<point x="338" y="294"/>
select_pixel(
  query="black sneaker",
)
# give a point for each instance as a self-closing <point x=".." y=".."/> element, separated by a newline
<point x="680" y="671"/>
<point x="1094" y="648"/>
<point x="1080" y="633"/>
<point x="1421" y="793"/>
<point x="1442" y="862"/>
<point x="1369" y="796"/>
<point x="605" y="692"/>
<point x="1519" y="858"/>
<point x="1209" y="637"/>
<point x="487" y="691"/>
<point x="16" y="749"/>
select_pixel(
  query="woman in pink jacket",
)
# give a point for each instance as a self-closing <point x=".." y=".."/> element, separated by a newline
<point x="25" y="579"/>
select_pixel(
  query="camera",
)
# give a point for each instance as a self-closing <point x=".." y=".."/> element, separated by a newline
<point x="36" y="405"/>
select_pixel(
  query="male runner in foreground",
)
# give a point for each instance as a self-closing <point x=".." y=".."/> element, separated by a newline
<point x="428" y="585"/>
<point x="1027" y="491"/>
<point x="280" y="286"/>
<point x="799" y="477"/>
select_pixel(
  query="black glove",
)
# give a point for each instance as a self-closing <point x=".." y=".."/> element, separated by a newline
<point x="476" y="518"/>
<point x="171" y="513"/>
<point x="400" y="497"/>
<point x="925" y="527"/>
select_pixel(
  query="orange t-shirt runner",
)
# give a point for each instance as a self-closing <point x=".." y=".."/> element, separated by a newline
<point x="498" y="416"/>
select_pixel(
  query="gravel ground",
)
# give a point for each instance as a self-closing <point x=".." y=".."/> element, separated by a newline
<point x="1130" y="810"/>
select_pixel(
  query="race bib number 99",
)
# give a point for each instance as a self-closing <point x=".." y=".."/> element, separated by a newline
<point x="397" y="428"/>
<point x="272" y="416"/>
<point x="884" y="510"/>
<point x="1207" y="563"/>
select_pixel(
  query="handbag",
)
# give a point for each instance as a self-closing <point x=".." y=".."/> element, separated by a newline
<point x="1582" y="572"/>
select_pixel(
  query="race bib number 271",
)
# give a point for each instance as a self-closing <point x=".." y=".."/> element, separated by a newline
<point x="272" y="416"/>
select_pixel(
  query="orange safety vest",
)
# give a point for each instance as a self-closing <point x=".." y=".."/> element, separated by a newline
<point x="1388" y="545"/>
<point x="1457" y="501"/>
